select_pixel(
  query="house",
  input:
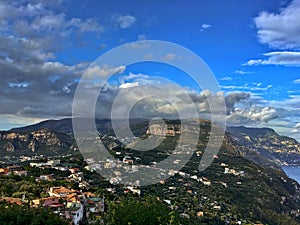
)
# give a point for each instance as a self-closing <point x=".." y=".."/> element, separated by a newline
<point x="37" y="164"/>
<point x="200" y="214"/>
<point x="50" y="202"/>
<point x="47" y="177"/>
<point x="4" y="171"/>
<point x="167" y="201"/>
<point x="14" y="168"/>
<point x="194" y="177"/>
<point x="223" y="165"/>
<point x="21" y="173"/>
<point x="72" y="200"/>
<point x="60" y="191"/>
<point x="75" y="214"/>
<point x="217" y="207"/>
<point x="134" y="190"/>
<point x="74" y="170"/>
<point x="53" y="162"/>
<point x="109" y="164"/>
<point x="95" y="204"/>
<point x="205" y="181"/>
<point x="83" y="184"/>
<point x="10" y="200"/>
<point x="128" y="160"/>
<point x="115" y="180"/>
<point x="60" y="168"/>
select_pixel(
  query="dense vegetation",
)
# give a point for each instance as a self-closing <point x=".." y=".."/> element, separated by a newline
<point x="133" y="211"/>
<point x="25" y="215"/>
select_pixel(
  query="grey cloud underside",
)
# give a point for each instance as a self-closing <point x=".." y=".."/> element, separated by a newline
<point x="46" y="96"/>
<point x="32" y="83"/>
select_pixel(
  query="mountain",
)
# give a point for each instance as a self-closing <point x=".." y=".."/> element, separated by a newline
<point x="35" y="142"/>
<point x="260" y="145"/>
<point x="240" y="185"/>
<point x="52" y="137"/>
<point x="65" y="125"/>
<point x="267" y="143"/>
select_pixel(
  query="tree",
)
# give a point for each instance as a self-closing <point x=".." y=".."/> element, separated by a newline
<point x="23" y="215"/>
<point x="138" y="212"/>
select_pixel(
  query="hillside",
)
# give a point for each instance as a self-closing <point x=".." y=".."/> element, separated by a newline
<point x="266" y="142"/>
<point x="232" y="189"/>
<point x="37" y="142"/>
<point x="260" y="145"/>
<point x="236" y="187"/>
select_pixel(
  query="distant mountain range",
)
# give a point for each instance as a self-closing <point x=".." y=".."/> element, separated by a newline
<point x="266" y="142"/>
<point x="261" y="145"/>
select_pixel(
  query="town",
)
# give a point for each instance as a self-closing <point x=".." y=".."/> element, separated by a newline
<point x="71" y="189"/>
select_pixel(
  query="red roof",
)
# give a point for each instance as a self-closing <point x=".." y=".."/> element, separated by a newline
<point x="55" y="205"/>
<point x="17" y="201"/>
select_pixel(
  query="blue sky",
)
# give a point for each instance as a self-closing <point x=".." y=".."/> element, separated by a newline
<point x="252" y="47"/>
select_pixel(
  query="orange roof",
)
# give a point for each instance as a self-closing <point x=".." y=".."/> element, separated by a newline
<point x="72" y="195"/>
<point x="4" y="170"/>
<point x="12" y="200"/>
<point x="61" y="190"/>
<point x="55" y="205"/>
<point x="52" y="197"/>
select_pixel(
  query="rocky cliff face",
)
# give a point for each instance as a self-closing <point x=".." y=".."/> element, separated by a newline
<point x="41" y="141"/>
<point x="163" y="130"/>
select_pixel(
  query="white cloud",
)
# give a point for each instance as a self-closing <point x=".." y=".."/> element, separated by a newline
<point x="280" y="30"/>
<point x="126" y="21"/>
<point x="296" y="81"/>
<point x="284" y="58"/>
<point x="264" y="114"/>
<point x="205" y="26"/>
<point x="133" y="76"/>
<point x="242" y="72"/>
<point x="254" y="114"/>
<point x="49" y="22"/>
<point x="103" y="72"/>
<point x="297" y="126"/>
<point x="165" y="108"/>
<point x="128" y="85"/>
<point x="226" y="78"/>
<point x="246" y="87"/>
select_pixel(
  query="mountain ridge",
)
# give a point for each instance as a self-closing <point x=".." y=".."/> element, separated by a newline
<point x="261" y="145"/>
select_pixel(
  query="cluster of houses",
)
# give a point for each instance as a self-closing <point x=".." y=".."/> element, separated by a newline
<point x="71" y="204"/>
<point x="17" y="170"/>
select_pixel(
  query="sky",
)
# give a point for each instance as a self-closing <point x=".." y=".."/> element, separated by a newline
<point x="252" y="48"/>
